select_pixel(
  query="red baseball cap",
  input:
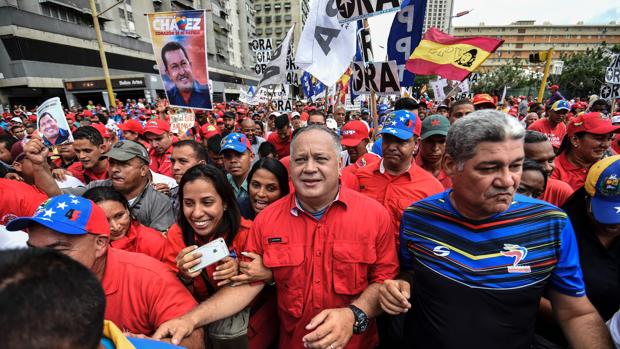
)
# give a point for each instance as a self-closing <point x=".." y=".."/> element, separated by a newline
<point x="87" y="113"/>
<point x="209" y="131"/>
<point x="353" y="132"/>
<point x="132" y="125"/>
<point x="483" y="98"/>
<point x="71" y="116"/>
<point x="593" y="122"/>
<point x="102" y="130"/>
<point x="554" y="87"/>
<point x="157" y="126"/>
<point x="241" y="111"/>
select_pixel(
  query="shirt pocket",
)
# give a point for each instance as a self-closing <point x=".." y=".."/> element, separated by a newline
<point x="350" y="266"/>
<point x="285" y="261"/>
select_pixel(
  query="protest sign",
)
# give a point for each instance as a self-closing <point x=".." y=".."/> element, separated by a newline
<point x="52" y="123"/>
<point x="610" y="91"/>
<point x="180" y="49"/>
<point x="381" y="77"/>
<point x="353" y="10"/>
<point x="181" y="121"/>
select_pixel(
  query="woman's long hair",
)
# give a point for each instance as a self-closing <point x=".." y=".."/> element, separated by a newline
<point x="276" y="168"/>
<point x="231" y="219"/>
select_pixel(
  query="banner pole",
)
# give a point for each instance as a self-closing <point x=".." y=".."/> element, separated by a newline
<point x="373" y="101"/>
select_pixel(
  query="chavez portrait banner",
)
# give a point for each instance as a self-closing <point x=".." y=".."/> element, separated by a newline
<point x="180" y="48"/>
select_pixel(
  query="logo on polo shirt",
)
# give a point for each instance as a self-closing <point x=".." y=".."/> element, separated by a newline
<point x="519" y="253"/>
<point x="441" y="251"/>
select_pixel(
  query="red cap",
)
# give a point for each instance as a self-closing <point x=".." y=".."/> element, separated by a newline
<point x="132" y="125"/>
<point x="304" y="116"/>
<point x="220" y="106"/>
<point x="353" y="132"/>
<point x="17" y="151"/>
<point x="32" y="118"/>
<point x="219" y="121"/>
<point x="554" y="87"/>
<point x="70" y="116"/>
<point x="87" y="113"/>
<point x="209" y="131"/>
<point x="102" y="130"/>
<point x="157" y="126"/>
<point x="482" y="98"/>
<point x="594" y="122"/>
<point x="241" y="111"/>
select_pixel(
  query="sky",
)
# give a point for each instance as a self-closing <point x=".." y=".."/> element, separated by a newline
<point x="506" y="12"/>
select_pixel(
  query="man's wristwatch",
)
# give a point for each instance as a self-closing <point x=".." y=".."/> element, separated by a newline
<point x="361" y="319"/>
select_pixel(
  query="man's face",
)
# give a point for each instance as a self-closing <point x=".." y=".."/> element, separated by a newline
<point x="432" y="149"/>
<point x="600" y="108"/>
<point x="459" y="111"/>
<point x="217" y="159"/>
<point x="557" y="116"/>
<point x="182" y="159"/>
<point x="248" y="128"/>
<point x="179" y="70"/>
<point x="339" y="115"/>
<point x="87" y="153"/>
<point x="442" y="111"/>
<point x="316" y="119"/>
<point x="531" y="118"/>
<point x="542" y="153"/>
<point x="357" y="151"/>
<point x="66" y="151"/>
<point x="397" y="152"/>
<point x="238" y="164"/>
<point x="486" y="184"/>
<point x="85" y="249"/>
<point x="314" y="166"/>
<point x="284" y="133"/>
<point x="271" y="122"/>
<point x="48" y="127"/>
<point x="161" y="143"/>
<point x="229" y="124"/>
<point x="18" y="132"/>
<point x="127" y="175"/>
<point x="5" y="153"/>
<point x="296" y="123"/>
<point x="130" y="136"/>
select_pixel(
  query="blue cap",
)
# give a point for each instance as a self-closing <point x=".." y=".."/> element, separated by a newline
<point x="603" y="186"/>
<point x="402" y="124"/>
<point x="235" y="141"/>
<point x="377" y="147"/>
<point x="383" y="108"/>
<point x="66" y="214"/>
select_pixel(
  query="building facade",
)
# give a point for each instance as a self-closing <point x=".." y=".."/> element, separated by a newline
<point x="275" y="17"/>
<point x="438" y="15"/>
<point x="525" y="37"/>
<point x="48" y="48"/>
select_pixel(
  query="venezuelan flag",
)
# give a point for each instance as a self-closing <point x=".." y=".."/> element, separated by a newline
<point x="451" y="57"/>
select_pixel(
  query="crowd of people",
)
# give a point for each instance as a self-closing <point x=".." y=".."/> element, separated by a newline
<point x="453" y="224"/>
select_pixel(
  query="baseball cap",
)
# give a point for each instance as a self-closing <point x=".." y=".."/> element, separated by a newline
<point x="353" y="132"/>
<point x="132" y="125"/>
<point x="87" y="113"/>
<point x="102" y="130"/>
<point x="383" y="108"/>
<point x="235" y="141"/>
<point x="229" y="115"/>
<point x="442" y="105"/>
<point x="603" y="186"/>
<point x="295" y="115"/>
<point x="242" y="111"/>
<point x="331" y="124"/>
<point x="209" y="131"/>
<point x="435" y="125"/>
<point x="127" y="150"/>
<point x="402" y="124"/>
<point x="483" y="98"/>
<point x="17" y="151"/>
<point x="594" y="122"/>
<point x="560" y="105"/>
<point x="156" y="126"/>
<point x="554" y="87"/>
<point x="66" y="214"/>
<point x="17" y="120"/>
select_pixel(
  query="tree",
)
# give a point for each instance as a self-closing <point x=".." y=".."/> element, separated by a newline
<point x="513" y="75"/>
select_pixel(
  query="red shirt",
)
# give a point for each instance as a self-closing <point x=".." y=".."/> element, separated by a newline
<point x="161" y="163"/>
<point x="282" y="148"/>
<point x="323" y="264"/>
<point x="141" y="292"/>
<point x="18" y="200"/>
<point x="142" y="239"/>
<point x="88" y="175"/>
<point x="557" y="192"/>
<point x="362" y="161"/>
<point x="442" y="177"/>
<point x="397" y="193"/>
<point x="566" y="172"/>
<point x="555" y="135"/>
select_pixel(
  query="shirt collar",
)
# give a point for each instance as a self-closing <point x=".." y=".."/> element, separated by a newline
<point x="382" y="168"/>
<point x="296" y="208"/>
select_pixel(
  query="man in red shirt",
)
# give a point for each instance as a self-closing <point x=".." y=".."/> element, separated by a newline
<point x="396" y="181"/>
<point x="553" y="126"/>
<point x="538" y="148"/>
<point x="141" y="292"/>
<point x="157" y="132"/>
<point x="89" y="146"/>
<point x="327" y="262"/>
<point x="132" y="129"/>
<point x="281" y="139"/>
<point x="355" y="140"/>
<point x="433" y="146"/>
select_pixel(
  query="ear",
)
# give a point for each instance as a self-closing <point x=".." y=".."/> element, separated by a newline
<point x="104" y="147"/>
<point x="449" y="165"/>
<point x="101" y="245"/>
<point x="416" y="144"/>
<point x="574" y="140"/>
<point x="144" y="170"/>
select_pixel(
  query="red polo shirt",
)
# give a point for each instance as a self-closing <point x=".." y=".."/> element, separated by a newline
<point x="442" y="177"/>
<point x="363" y="161"/>
<point x="557" y="192"/>
<point x="324" y="264"/>
<point x="142" y="239"/>
<point x="566" y="172"/>
<point x="397" y="193"/>
<point x="161" y="163"/>
<point x="141" y="292"/>
<point x="18" y="200"/>
<point x="88" y="175"/>
<point x="282" y="148"/>
<point x="555" y="135"/>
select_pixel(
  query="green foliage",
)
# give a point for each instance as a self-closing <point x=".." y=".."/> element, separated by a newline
<point x="513" y="75"/>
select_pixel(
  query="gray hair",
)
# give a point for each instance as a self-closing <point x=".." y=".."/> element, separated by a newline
<point x="322" y="128"/>
<point x="480" y="126"/>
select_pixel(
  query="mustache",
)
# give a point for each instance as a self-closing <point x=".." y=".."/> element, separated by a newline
<point x="500" y="191"/>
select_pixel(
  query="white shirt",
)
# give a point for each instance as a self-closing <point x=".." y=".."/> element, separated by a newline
<point x="12" y="239"/>
<point x="160" y="178"/>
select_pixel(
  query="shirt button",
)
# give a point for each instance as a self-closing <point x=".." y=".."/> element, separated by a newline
<point x="317" y="281"/>
<point x="318" y="253"/>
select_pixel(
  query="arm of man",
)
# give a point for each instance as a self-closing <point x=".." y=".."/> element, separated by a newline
<point x="195" y="340"/>
<point x="162" y="216"/>
<point x="580" y="322"/>
<point x="226" y="302"/>
<point x="37" y="153"/>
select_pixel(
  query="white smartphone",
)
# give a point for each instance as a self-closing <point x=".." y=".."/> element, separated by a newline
<point x="212" y="252"/>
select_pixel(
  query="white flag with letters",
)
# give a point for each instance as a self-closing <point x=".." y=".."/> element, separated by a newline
<point x="326" y="47"/>
<point x="275" y="72"/>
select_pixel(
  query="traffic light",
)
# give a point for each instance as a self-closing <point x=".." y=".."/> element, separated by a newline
<point x="538" y="57"/>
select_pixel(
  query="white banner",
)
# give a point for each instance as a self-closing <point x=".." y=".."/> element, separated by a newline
<point x="381" y="77"/>
<point x="181" y="121"/>
<point x="353" y="10"/>
<point x="326" y="47"/>
<point x="275" y="72"/>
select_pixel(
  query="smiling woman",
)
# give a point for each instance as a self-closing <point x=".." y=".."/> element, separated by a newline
<point x="267" y="182"/>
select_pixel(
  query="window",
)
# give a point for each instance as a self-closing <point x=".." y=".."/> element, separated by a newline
<point x="259" y="20"/>
<point x="268" y="19"/>
<point x="287" y="6"/>
<point x="288" y="18"/>
<point x="257" y="7"/>
<point x="267" y="7"/>
<point x="268" y="31"/>
<point x="259" y="31"/>
<point x="278" y="30"/>
<point x="278" y="19"/>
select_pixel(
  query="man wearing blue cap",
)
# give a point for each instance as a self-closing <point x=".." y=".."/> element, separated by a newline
<point x="553" y="126"/>
<point x="238" y="157"/>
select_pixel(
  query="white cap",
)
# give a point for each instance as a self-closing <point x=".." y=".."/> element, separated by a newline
<point x="331" y="124"/>
<point x="17" y="119"/>
<point x="294" y="114"/>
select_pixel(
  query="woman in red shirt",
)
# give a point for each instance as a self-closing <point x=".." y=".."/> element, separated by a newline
<point x="209" y="211"/>
<point x="126" y="232"/>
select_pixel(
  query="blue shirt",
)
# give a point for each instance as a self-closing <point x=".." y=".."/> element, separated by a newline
<point x="200" y="97"/>
<point x="241" y="192"/>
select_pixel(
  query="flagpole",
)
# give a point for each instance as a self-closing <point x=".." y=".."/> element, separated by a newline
<point x="373" y="101"/>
